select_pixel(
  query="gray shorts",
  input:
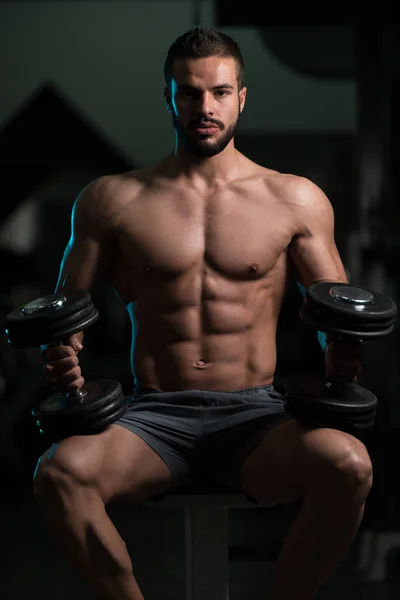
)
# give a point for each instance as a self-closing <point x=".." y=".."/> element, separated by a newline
<point x="203" y="434"/>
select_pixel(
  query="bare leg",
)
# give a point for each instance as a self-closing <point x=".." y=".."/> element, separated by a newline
<point x="331" y="473"/>
<point x="74" y="481"/>
<point x="315" y="546"/>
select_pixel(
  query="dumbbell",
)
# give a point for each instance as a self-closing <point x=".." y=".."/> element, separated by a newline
<point x="48" y="321"/>
<point x="342" y="311"/>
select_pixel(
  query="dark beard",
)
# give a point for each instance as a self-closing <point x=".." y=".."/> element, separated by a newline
<point x="202" y="147"/>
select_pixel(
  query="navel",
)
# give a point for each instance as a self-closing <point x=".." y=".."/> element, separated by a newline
<point x="200" y="364"/>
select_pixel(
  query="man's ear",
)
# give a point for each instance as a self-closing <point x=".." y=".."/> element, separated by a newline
<point x="167" y="99"/>
<point x="242" y="98"/>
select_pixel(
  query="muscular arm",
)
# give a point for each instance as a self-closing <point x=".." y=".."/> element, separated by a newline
<point x="91" y="247"/>
<point x="313" y="248"/>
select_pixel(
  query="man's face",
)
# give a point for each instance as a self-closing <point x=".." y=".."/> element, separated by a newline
<point x="205" y="103"/>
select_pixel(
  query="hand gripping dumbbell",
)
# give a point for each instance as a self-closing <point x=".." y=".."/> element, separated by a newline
<point x="48" y="321"/>
<point x="342" y="311"/>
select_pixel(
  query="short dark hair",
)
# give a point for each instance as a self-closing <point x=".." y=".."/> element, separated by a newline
<point x="202" y="42"/>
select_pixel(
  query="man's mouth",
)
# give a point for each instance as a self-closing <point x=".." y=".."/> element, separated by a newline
<point x="206" y="128"/>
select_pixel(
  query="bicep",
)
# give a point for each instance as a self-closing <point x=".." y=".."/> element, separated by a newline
<point x="316" y="258"/>
<point x="313" y="249"/>
<point x="88" y="254"/>
<point x="81" y="265"/>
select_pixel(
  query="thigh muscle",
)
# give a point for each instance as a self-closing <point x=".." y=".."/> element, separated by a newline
<point x="292" y="457"/>
<point x="118" y="462"/>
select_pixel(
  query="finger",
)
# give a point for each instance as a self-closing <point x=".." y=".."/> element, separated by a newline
<point x="75" y="342"/>
<point x="55" y="353"/>
<point x="345" y="372"/>
<point x="340" y="366"/>
<point x="61" y="366"/>
<point x="68" y="382"/>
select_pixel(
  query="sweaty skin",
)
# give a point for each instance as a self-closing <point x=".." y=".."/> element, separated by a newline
<point x="202" y="268"/>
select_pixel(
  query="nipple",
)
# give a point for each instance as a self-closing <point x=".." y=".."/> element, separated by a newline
<point x="254" y="268"/>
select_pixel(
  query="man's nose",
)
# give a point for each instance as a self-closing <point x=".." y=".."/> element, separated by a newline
<point x="205" y="104"/>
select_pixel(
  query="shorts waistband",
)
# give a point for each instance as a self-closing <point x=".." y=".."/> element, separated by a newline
<point x="251" y="390"/>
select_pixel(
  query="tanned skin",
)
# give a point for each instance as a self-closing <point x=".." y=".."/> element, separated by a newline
<point x="205" y="244"/>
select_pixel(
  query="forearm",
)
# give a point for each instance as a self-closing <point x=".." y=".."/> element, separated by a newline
<point x="323" y="338"/>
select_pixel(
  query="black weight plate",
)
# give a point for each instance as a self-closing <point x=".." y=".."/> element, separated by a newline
<point x="320" y="418"/>
<point x="324" y="414"/>
<point x="74" y="327"/>
<point x="332" y="408"/>
<point x="99" y="393"/>
<point x="95" y="420"/>
<point x="348" y="423"/>
<point x="356" y="316"/>
<point x="56" y="429"/>
<point x="32" y="333"/>
<point x="91" y="428"/>
<point x="309" y="399"/>
<point x="100" y="425"/>
<point x="85" y="417"/>
<point x="58" y="417"/>
<point x="348" y="329"/>
<point x="55" y="336"/>
<point x="52" y="327"/>
<point x="76" y="300"/>
<point x="334" y="319"/>
<point x="86" y="422"/>
<point x="317" y="391"/>
<point x="382" y="308"/>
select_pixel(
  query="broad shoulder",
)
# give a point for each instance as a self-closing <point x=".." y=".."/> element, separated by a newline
<point x="106" y="198"/>
<point x="299" y="193"/>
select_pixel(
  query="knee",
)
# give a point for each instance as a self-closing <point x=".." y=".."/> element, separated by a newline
<point x="356" y="467"/>
<point x="63" y="468"/>
<point x="348" y="465"/>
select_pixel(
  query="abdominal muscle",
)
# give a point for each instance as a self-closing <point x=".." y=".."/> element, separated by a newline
<point x="204" y="280"/>
<point x="218" y="345"/>
<point x="197" y="365"/>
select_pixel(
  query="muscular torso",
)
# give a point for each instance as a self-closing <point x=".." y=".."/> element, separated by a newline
<point x="203" y="273"/>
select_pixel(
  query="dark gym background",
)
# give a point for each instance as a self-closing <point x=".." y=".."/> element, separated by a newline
<point x="81" y="95"/>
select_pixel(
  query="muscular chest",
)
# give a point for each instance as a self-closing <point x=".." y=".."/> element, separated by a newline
<point x="239" y="239"/>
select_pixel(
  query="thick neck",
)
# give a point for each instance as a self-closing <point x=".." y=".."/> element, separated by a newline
<point x="221" y="166"/>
